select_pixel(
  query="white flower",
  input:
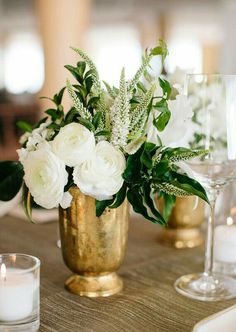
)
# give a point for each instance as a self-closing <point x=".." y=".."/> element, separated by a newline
<point x="179" y="129"/>
<point x="35" y="139"/>
<point x="24" y="138"/>
<point x="74" y="144"/>
<point x="66" y="200"/>
<point x="101" y="175"/>
<point x="45" y="176"/>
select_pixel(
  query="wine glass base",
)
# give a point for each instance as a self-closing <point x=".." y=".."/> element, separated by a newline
<point x="199" y="286"/>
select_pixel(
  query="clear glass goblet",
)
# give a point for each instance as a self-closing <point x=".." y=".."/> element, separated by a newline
<point x="213" y="128"/>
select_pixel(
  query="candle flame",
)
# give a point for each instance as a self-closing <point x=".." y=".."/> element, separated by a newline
<point x="3" y="271"/>
<point x="229" y="221"/>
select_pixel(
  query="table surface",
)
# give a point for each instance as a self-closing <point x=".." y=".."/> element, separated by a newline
<point x="148" y="301"/>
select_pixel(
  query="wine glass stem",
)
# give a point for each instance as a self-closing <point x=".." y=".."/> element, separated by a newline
<point x="210" y="234"/>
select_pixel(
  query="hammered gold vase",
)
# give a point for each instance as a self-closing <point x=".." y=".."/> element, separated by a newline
<point x="93" y="247"/>
<point x="184" y="225"/>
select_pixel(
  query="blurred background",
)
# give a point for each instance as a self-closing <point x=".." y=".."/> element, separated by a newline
<point x="35" y="36"/>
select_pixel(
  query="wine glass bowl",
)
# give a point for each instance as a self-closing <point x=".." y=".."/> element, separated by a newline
<point x="213" y="101"/>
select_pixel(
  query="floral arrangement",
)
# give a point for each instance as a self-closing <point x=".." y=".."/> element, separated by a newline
<point x="101" y="145"/>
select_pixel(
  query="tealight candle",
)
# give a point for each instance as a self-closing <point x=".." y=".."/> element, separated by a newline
<point x="19" y="290"/>
<point x="225" y="242"/>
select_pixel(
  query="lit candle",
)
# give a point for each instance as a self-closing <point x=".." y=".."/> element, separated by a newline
<point x="225" y="242"/>
<point x="17" y="290"/>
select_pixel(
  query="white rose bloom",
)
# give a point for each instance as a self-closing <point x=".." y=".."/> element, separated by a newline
<point x="45" y="176"/>
<point x="66" y="200"/>
<point x="35" y="139"/>
<point x="74" y="144"/>
<point x="101" y="175"/>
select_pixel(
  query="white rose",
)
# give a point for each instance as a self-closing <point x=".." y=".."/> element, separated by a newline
<point x="74" y="144"/>
<point x="101" y="175"/>
<point x="37" y="138"/>
<point x="45" y="176"/>
<point x="66" y="200"/>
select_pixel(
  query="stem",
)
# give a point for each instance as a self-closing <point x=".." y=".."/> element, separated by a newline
<point x="213" y="194"/>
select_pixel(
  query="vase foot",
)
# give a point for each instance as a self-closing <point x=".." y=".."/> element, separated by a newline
<point x="94" y="286"/>
<point x="181" y="238"/>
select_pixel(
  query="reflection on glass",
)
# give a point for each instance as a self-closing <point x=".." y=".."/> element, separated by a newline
<point x="213" y="100"/>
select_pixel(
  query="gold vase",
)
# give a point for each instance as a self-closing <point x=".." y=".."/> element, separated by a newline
<point x="93" y="248"/>
<point x="183" y="230"/>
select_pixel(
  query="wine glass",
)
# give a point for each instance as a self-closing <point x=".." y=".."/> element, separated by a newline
<point x="213" y="128"/>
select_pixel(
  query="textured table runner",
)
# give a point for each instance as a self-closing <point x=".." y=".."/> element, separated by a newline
<point x="148" y="301"/>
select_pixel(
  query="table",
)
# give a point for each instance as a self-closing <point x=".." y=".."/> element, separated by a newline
<point x="148" y="301"/>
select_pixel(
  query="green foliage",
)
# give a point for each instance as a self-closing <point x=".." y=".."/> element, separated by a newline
<point x="112" y="203"/>
<point x="83" y="112"/>
<point x="169" y="203"/>
<point x="120" y="116"/>
<point x="165" y="85"/>
<point x="161" y="50"/>
<point x="11" y="178"/>
<point x="149" y="171"/>
<point x="27" y="202"/>
<point x="161" y="121"/>
<point x="92" y="67"/>
<point x="24" y="126"/>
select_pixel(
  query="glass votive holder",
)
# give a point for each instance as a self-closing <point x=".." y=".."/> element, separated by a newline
<point x="225" y="248"/>
<point x="19" y="293"/>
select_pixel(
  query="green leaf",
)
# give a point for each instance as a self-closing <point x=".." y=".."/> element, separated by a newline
<point x="133" y="167"/>
<point x="93" y="102"/>
<point x="169" y="203"/>
<point x="161" y="49"/>
<point x="53" y="114"/>
<point x="161" y="105"/>
<point x="136" y="200"/>
<point x="81" y="92"/>
<point x="86" y="123"/>
<point x="75" y="73"/>
<point x="191" y="186"/>
<point x="105" y="133"/>
<point x="81" y="66"/>
<point x="101" y="206"/>
<point x="149" y="199"/>
<point x="71" y="115"/>
<point x="96" y="119"/>
<point x="89" y="83"/>
<point x="119" y="197"/>
<point x="11" y="178"/>
<point x="162" y="120"/>
<point x="90" y="72"/>
<point x="25" y="126"/>
<point x="146" y="156"/>
<point x="54" y="126"/>
<point x="141" y="87"/>
<point x="26" y="201"/>
<point x="178" y="154"/>
<point x="165" y="85"/>
<point x="59" y="96"/>
<point x="160" y="169"/>
<point x="44" y="97"/>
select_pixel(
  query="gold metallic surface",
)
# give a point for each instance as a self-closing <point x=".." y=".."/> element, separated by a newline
<point x="93" y="248"/>
<point x="183" y="229"/>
